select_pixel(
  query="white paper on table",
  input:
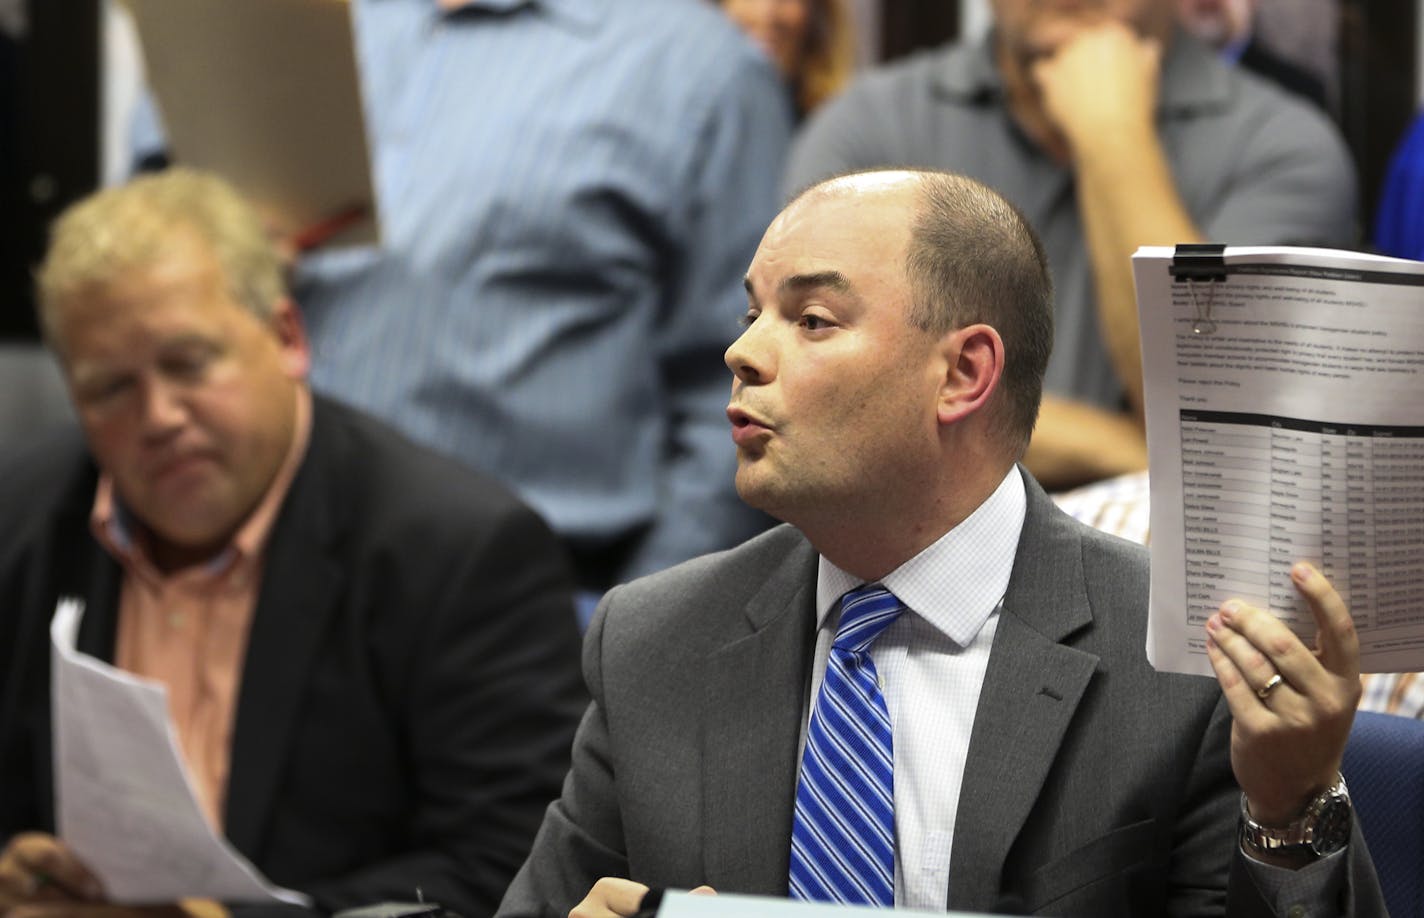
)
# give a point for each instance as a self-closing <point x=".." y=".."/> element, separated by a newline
<point x="1291" y="427"/>
<point x="126" y="803"/>
<point x="724" y="905"/>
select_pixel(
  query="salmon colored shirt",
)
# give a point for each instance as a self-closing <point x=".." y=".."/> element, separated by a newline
<point x="188" y="629"/>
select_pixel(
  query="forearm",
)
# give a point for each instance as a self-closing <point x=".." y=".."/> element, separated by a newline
<point x="1127" y="198"/>
<point x="1075" y="443"/>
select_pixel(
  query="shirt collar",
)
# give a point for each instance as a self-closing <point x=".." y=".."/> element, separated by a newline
<point x="956" y="583"/>
<point x="1193" y="77"/>
<point x="122" y="534"/>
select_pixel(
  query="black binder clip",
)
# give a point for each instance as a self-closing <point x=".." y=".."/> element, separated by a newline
<point x="1200" y="261"/>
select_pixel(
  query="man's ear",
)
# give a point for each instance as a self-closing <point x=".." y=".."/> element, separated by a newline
<point x="291" y="335"/>
<point x="974" y="356"/>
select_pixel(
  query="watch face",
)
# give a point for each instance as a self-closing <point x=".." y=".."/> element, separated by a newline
<point x="1332" y="827"/>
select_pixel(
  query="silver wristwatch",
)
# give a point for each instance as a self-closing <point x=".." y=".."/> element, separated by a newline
<point x="1322" y="829"/>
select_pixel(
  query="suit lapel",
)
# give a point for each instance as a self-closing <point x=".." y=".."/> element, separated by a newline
<point x="1031" y="690"/>
<point x="753" y="702"/>
<point x="301" y="583"/>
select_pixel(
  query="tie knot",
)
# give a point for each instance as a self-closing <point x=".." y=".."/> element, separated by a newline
<point x="865" y="612"/>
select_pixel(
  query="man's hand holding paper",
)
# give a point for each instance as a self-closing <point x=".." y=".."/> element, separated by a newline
<point x="1291" y="706"/>
<point x="40" y="877"/>
<point x="39" y="869"/>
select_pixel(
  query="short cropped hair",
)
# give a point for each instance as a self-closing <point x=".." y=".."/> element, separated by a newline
<point x="132" y="226"/>
<point x="974" y="258"/>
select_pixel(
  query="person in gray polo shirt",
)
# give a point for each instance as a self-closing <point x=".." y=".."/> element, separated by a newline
<point x="1110" y="129"/>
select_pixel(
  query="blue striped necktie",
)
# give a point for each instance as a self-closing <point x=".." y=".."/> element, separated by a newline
<point x="843" y="835"/>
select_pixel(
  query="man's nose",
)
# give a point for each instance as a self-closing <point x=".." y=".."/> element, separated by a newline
<point x="750" y="357"/>
<point x="164" y="408"/>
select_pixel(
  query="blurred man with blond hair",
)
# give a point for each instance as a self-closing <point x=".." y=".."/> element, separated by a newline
<point x="369" y="652"/>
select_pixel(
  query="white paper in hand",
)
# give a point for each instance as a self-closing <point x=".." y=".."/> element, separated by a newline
<point x="126" y="804"/>
<point x="1284" y="423"/>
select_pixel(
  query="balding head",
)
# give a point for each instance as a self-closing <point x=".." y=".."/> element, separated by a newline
<point x="971" y="257"/>
<point x="876" y="401"/>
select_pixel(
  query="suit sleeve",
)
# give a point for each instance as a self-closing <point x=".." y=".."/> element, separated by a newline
<point x="488" y="712"/>
<point x="581" y="838"/>
<point x="39" y="553"/>
<point x="24" y="701"/>
<point x="1206" y="840"/>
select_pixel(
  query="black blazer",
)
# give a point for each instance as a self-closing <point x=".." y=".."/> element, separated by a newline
<point x="410" y="688"/>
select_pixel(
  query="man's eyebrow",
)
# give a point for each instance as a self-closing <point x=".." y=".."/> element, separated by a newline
<point x="797" y="283"/>
<point x="187" y="341"/>
<point x="87" y="372"/>
<point x="834" y="280"/>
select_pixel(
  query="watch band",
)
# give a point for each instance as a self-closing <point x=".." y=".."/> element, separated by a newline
<point x="1322" y="829"/>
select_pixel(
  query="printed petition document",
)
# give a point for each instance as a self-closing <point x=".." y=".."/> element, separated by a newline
<point x="1285" y="422"/>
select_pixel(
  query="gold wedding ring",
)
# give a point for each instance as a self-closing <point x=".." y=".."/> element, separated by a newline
<point x="1271" y="683"/>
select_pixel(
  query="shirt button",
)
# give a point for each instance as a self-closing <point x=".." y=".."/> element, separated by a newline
<point x="1296" y="911"/>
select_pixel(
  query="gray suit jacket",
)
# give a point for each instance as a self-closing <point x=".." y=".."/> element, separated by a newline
<point x="1094" y="785"/>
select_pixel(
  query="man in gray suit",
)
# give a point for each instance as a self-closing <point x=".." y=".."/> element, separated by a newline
<point x="886" y="384"/>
